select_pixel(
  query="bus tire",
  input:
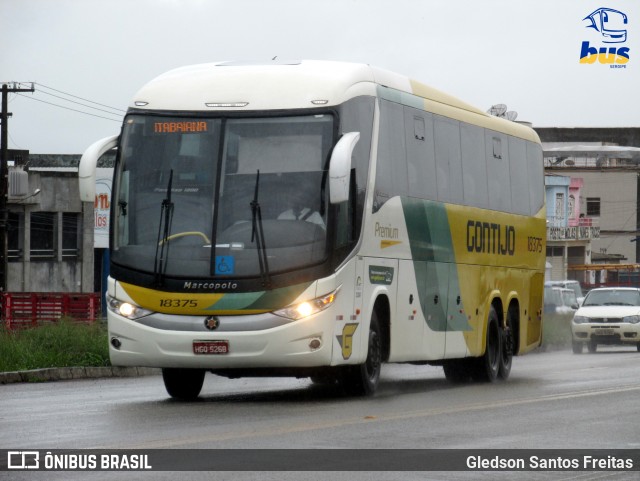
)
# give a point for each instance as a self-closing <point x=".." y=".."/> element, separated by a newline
<point x="506" y="348"/>
<point x="487" y="366"/>
<point x="183" y="384"/>
<point x="362" y="380"/>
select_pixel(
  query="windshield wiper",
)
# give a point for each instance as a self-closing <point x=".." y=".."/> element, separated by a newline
<point x="257" y="233"/>
<point x="164" y="229"/>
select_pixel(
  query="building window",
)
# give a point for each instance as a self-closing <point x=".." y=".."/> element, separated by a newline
<point x="70" y="235"/>
<point x="559" y="220"/>
<point x="555" y="251"/>
<point x="572" y="206"/>
<point x="15" y="236"/>
<point x="593" y="206"/>
<point x="43" y="236"/>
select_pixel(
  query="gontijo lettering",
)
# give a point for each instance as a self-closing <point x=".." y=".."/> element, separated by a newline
<point x="490" y="238"/>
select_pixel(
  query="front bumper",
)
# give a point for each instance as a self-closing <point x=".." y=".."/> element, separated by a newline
<point x="606" y="333"/>
<point x="303" y="343"/>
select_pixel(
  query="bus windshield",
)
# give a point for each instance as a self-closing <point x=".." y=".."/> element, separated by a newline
<point x="214" y="197"/>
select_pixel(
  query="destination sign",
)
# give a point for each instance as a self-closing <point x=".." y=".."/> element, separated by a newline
<point x="180" y="127"/>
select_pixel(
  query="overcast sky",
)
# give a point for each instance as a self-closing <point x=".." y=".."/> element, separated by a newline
<point x="523" y="53"/>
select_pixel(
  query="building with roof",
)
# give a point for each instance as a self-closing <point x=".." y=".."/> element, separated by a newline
<point x="50" y="231"/>
<point x="605" y="162"/>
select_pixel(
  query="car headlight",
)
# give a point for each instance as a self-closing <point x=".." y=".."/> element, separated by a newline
<point x="126" y="309"/>
<point x="580" y="319"/>
<point x="307" y="308"/>
<point x="631" y="319"/>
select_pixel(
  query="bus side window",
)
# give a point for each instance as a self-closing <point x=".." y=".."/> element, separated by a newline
<point x="391" y="173"/>
<point x="421" y="161"/>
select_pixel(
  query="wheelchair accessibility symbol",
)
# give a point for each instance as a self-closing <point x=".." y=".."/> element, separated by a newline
<point x="225" y="265"/>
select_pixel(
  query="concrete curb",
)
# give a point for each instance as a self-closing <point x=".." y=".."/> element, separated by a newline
<point x="70" y="373"/>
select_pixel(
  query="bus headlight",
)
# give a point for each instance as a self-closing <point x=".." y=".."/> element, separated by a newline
<point x="307" y="308"/>
<point x="126" y="309"/>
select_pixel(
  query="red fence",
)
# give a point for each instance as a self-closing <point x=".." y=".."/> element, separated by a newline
<point x="30" y="309"/>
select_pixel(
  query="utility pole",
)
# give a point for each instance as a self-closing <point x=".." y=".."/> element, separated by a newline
<point x="4" y="181"/>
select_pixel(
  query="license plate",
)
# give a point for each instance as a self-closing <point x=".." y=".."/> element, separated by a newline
<point x="211" y="347"/>
<point x="604" y="332"/>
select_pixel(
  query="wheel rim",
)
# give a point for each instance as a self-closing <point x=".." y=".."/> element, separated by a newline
<point x="507" y="351"/>
<point x="493" y="348"/>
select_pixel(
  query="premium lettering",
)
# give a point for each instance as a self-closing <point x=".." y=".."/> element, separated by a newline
<point x="386" y="232"/>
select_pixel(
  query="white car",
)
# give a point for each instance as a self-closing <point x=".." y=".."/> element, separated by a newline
<point x="608" y="315"/>
<point x="568" y="284"/>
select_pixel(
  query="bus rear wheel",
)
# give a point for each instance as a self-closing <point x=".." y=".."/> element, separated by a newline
<point x="362" y="380"/>
<point x="183" y="384"/>
<point x="507" y="348"/>
<point x="487" y="367"/>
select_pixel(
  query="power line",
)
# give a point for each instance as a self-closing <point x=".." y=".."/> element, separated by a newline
<point x="84" y="105"/>
<point x="80" y="98"/>
<point x="69" y="108"/>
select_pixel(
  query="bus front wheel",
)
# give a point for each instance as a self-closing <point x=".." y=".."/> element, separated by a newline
<point x="362" y="380"/>
<point x="183" y="384"/>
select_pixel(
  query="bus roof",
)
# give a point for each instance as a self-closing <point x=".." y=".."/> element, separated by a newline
<point x="231" y="86"/>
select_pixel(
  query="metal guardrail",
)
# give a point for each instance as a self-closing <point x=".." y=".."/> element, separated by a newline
<point x="31" y="309"/>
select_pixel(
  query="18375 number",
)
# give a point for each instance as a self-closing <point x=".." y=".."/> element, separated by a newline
<point x="534" y="244"/>
<point x="178" y="303"/>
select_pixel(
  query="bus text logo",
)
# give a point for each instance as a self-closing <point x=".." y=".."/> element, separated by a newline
<point x="490" y="238"/>
<point x="606" y="26"/>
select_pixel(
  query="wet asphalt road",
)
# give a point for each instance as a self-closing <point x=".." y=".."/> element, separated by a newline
<point x="552" y="400"/>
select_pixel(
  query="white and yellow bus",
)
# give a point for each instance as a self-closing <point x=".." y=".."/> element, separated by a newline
<point x="317" y="219"/>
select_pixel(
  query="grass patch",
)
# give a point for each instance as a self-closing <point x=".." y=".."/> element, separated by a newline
<point x="60" y="344"/>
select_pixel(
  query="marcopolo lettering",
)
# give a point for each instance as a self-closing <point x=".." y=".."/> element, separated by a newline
<point x="210" y="285"/>
<point x="490" y="238"/>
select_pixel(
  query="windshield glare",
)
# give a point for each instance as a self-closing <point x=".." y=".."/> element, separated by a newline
<point x="612" y="297"/>
<point x="206" y="226"/>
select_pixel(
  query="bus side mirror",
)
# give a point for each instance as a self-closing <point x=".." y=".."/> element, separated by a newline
<point x="87" y="167"/>
<point x="340" y="167"/>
